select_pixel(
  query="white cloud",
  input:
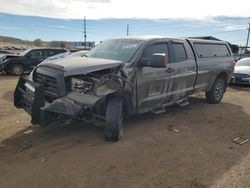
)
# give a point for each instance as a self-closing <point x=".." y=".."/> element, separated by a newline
<point x="235" y="27"/>
<point x="96" y="9"/>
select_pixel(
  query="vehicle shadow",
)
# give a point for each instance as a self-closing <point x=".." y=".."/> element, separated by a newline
<point x="192" y="142"/>
<point x="239" y="87"/>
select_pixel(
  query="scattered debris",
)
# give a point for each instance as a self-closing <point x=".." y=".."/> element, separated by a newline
<point x="240" y="140"/>
<point x="174" y="130"/>
<point x="24" y="148"/>
<point x="43" y="160"/>
<point x="170" y="128"/>
<point x="28" y="131"/>
<point x="219" y="117"/>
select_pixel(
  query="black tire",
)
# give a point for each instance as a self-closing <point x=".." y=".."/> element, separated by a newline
<point x="215" y="95"/>
<point x="114" y="117"/>
<point x="17" y="69"/>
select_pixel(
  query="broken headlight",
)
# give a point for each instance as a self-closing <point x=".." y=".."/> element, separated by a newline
<point x="81" y="85"/>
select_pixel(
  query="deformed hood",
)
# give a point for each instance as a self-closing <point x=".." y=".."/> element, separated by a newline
<point x="81" y="65"/>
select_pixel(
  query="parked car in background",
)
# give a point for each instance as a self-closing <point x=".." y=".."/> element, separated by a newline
<point x="4" y="52"/>
<point x="27" y="60"/>
<point x="241" y="73"/>
<point x="67" y="54"/>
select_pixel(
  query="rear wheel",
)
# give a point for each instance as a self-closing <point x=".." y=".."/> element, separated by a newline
<point x="17" y="69"/>
<point x="215" y="95"/>
<point x="114" y="117"/>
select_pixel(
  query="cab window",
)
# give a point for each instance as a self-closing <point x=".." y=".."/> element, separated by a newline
<point x="179" y="52"/>
<point x="161" y="48"/>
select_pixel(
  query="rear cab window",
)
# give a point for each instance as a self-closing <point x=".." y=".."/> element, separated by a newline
<point x="179" y="52"/>
<point x="205" y="50"/>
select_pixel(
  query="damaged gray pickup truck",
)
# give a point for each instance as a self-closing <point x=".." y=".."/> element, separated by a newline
<point x="130" y="75"/>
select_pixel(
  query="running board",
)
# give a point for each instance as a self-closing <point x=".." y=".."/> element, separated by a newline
<point x="182" y="102"/>
<point x="159" y="111"/>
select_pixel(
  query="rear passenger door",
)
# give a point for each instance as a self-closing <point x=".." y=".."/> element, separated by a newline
<point x="185" y="69"/>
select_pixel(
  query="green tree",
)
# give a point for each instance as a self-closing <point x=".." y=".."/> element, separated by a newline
<point x="38" y="42"/>
<point x="55" y="44"/>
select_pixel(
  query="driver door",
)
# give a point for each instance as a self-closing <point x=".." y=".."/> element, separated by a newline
<point x="155" y="86"/>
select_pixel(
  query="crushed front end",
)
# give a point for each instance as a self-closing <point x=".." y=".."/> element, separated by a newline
<point x="51" y="95"/>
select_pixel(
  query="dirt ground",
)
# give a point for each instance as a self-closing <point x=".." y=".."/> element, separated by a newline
<point x="185" y="147"/>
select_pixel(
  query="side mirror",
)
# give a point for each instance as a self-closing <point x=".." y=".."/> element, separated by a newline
<point x="157" y="60"/>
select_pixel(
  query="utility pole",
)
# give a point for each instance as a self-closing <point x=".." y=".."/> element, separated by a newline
<point x="127" y="29"/>
<point x="248" y="36"/>
<point x="85" y="33"/>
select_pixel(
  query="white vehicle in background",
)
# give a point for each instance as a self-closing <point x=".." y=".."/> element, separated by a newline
<point x="241" y="73"/>
<point x="67" y="54"/>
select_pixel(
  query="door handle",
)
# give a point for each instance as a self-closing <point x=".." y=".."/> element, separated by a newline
<point x="169" y="70"/>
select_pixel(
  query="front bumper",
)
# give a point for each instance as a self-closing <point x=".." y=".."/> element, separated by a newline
<point x="30" y="102"/>
<point x="33" y="100"/>
<point x="240" y="80"/>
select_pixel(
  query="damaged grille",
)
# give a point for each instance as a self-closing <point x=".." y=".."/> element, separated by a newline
<point x="52" y="80"/>
<point x="50" y="84"/>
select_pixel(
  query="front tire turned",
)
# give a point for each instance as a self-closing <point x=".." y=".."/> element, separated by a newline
<point x="114" y="116"/>
<point x="215" y="95"/>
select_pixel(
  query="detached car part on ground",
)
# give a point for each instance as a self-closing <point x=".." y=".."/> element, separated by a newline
<point x="241" y="73"/>
<point x="131" y="75"/>
<point x="27" y="60"/>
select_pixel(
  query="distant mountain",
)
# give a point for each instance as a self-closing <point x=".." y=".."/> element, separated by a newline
<point x="12" y="40"/>
<point x="16" y="43"/>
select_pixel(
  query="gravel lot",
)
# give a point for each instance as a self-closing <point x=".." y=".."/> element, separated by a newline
<point x="185" y="147"/>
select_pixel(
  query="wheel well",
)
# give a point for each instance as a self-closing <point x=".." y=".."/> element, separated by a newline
<point x="127" y="101"/>
<point x="16" y="64"/>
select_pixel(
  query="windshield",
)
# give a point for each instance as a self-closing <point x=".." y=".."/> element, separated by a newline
<point x="24" y="52"/>
<point x="244" y="62"/>
<point x="116" y="49"/>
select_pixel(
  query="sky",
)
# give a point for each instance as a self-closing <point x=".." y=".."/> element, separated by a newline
<point x="63" y="20"/>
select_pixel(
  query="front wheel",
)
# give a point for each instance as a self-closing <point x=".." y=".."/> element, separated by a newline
<point x="114" y="117"/>
<point x="215" y="95"/>
<point x="17" y="69"/>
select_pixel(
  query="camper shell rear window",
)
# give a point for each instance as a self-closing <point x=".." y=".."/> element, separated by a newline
<point x="208" y="50"/>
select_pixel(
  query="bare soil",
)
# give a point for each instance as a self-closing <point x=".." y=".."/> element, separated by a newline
<point x="185" y="147"/>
